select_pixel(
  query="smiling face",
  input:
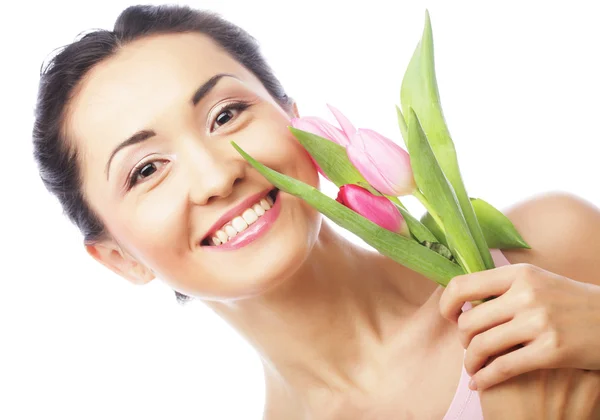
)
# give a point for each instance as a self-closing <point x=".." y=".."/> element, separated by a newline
<point x="152" y="126"/>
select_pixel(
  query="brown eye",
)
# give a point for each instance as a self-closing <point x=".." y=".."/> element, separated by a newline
<point x="224" y="117"/>
<point x="147" y="170"/>
<point x="143" y="171"/>
<point x="228" y="113"/>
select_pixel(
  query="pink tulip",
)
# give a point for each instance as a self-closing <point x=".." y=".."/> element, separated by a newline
<point x="377" y="209"/>
<point x="320" y="127"/>
<point x="384" y="164"/>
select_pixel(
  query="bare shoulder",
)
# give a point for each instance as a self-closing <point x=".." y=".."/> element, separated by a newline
<point x="564" y="233"/>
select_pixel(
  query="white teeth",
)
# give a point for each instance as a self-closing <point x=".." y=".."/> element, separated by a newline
<point x="239" y="224"/>
<point x="258" y="209"/>
<point x="264" y="204"/>
<point x="230" y="231"/>
<point x="222" y="236"/>
<point x="249" y="216"/>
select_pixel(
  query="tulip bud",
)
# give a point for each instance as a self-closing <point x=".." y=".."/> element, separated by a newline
<point x="377" y="209"/>
<point x="384" y="164"/>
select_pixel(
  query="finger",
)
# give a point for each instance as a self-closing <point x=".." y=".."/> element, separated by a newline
<point x="484" y="317"/>
<point x="517" y="362"/>
<point x="475" y="286"/>
<point x="494" y="342"/>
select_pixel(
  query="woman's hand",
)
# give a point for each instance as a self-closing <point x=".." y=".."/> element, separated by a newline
<point x="539" y="320"/>
<point x="549" y="394"/>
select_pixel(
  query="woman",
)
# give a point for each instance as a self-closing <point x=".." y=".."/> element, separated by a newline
<point x="132" y="134"/>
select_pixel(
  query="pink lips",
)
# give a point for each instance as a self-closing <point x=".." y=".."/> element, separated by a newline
<point x="254" y="231"/>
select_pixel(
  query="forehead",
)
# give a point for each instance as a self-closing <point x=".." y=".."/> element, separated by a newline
<point x="145" y="78"/>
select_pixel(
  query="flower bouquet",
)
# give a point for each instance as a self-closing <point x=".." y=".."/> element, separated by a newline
<point x="456" y="233"/>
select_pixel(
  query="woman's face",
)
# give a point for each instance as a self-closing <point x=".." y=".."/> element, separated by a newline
<point x="153" y="127"/>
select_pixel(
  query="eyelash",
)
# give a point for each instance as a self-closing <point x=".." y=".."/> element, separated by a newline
<point x="135" y="173"/>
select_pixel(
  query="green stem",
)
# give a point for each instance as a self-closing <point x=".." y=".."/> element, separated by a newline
<point x="417" y="229"/>
<point x="419" y="196"/>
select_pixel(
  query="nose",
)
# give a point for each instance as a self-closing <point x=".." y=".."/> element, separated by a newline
<point x="213" y="173"/>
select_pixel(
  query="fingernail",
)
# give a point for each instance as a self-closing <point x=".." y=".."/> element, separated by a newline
<point x="473" y="385"/>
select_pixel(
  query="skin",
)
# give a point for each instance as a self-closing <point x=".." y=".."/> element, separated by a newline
<point x="539" y="302"/>
<point x="336" y="325"/>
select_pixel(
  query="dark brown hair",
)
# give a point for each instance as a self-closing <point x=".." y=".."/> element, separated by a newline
<point x="57" y="161"/>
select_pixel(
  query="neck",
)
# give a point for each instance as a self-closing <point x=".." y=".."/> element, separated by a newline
<point x="342" y="305"/>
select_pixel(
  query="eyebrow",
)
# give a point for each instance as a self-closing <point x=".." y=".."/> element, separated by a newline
<point x="143" y="135"/>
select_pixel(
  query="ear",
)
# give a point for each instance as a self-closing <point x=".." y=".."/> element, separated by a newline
<point x="109" y="254"/>
<point x="295" y="110"/>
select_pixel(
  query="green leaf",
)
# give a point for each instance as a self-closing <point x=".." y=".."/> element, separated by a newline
<point x="402" y="125"/>
<point x="439" y="193"/>
<point x="419" y="91"/>
<point x="402" y="250"/>
<point x="417" y="229"/>
<point x="498" y="230"/>
<point x="432" y="225"/>
<point x="332" y="159"/>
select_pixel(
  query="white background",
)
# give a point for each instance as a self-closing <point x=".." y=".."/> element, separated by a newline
<point x="519" y="84"/>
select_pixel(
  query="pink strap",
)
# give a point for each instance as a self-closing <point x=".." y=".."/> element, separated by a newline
<point x="465" y="404"/>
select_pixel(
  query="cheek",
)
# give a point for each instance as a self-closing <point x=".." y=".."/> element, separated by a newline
<point x="271" y="143"/>
<point x="153" y="231"/>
